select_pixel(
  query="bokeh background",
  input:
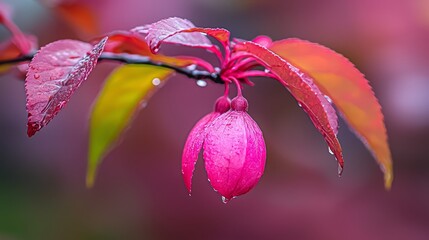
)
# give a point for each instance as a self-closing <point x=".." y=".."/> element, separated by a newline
<point x="139" y="193"/>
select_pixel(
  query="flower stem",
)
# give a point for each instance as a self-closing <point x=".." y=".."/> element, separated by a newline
<point x="237" y="83"/>
<point x="226" y="93"/>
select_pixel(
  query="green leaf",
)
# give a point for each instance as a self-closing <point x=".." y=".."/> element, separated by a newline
<point x="124" y="91"/>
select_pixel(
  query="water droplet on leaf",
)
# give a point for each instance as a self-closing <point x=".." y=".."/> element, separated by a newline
<point x="191" y="67"/>
<point x="328" y="99"/>
<point x="330" y="151"/>
<point x="340" y="170"/>
<point x="143" y="104"/>
<point x="201" y="83"/>
<point x="156" y="81"/>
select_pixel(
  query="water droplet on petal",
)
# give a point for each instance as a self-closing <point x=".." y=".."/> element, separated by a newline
<point x="201" y="83"/>
<point x="300" y="105"/>
<point x="330" y="151"/>
<point x="225" y="200"/>
<point x="36" y="76"/>
<point x="156" y="81"/>
<point x="266" y="70"/>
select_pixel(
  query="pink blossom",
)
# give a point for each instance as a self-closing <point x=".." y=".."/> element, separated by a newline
<point x="234" y="150"/>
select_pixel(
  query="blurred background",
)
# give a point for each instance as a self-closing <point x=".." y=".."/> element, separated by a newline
<point x="139" y="192"/>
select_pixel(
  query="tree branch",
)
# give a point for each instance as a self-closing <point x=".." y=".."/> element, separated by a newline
<point x="137" y="59"/>
<point x="24" y="58"/>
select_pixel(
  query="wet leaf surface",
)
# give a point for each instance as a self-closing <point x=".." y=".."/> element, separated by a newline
<point x="54" y="74"/>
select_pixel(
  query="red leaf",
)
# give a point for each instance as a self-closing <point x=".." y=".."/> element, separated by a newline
<point x="126" y="42"/>
<point x="336" y="77"/>
<point x="133" y="43"/>
<point x="55" y="73"/>
<point x="302" y="87"/>
<point x="181" y="31"/>
<point x="220" y="34"/>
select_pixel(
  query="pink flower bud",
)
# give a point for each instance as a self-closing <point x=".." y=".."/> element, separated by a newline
<point x="234" y="150"/>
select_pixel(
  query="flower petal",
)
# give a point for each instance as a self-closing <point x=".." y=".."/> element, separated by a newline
<point x="234" y="154"/>
<point x="193" y="146"/>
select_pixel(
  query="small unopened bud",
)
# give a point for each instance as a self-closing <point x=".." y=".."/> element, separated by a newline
<point x="239" y="103"/>
<point x="222" y="105"/>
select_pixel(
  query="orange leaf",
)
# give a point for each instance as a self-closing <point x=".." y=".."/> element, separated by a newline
<point x="337" y="77"/>
<point x="79" y="16"/>
<point x="133" y="43"/>
<point x="9" y="49"/>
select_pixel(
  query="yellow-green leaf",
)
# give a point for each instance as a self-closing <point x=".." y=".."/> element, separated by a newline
<point x="337" y="78"/>
<point x="124" y="91"/>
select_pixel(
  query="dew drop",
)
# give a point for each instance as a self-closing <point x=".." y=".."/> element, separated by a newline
<point x="330" y="151"/>
<point x="225" y="200"/>
<point x="191" y="67"/>
<point x="201" y="83"/>
<point x="36" y="76"/>
<point x="156" y="81"/>
<point x="300" y="105"/>
<point x="143" y="104"/>
<point x="266" y="70"/>
<point x="340" y="170"/>
<point x="328" y="99"/>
